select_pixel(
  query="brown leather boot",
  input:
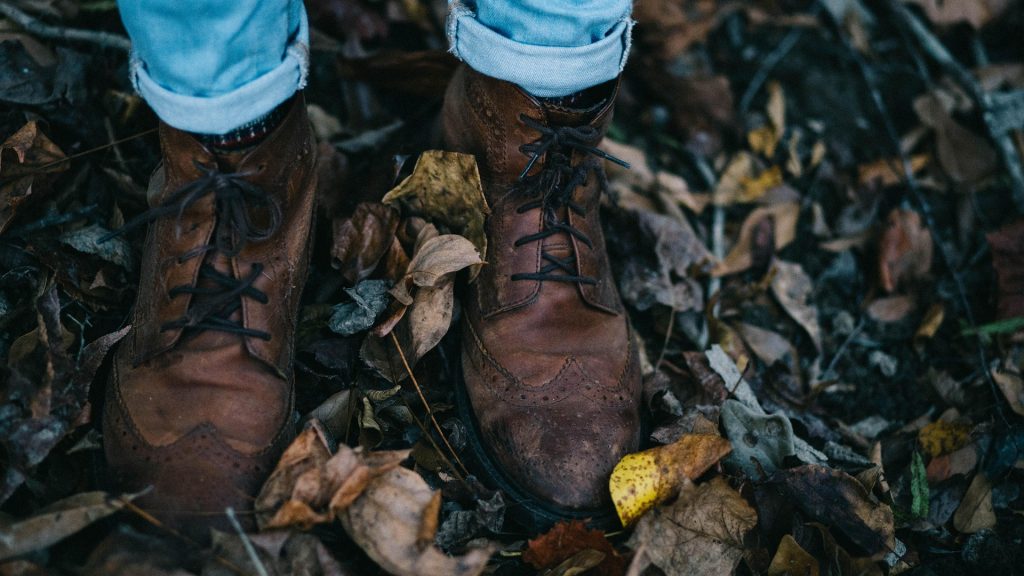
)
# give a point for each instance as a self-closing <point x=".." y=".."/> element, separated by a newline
<point x="550" y="369"/>
<point x="199" y="404"/>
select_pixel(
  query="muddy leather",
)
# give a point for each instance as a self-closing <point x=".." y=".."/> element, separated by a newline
<point x="550" y="369"/>
<point x="202" y="418"/>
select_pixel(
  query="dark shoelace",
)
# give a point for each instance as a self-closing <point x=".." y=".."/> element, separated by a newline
<point x="552" y="188"/>
<point x="235" y="197"/>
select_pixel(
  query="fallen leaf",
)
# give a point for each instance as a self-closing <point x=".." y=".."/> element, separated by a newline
<point x="891" y="309"/>
<point x="930" y="324"/>
<point x="887" y="172"/>
<point x="975" y="12"/>
<point x="839" y="501"/>
<point x="792" y="560"/>
<point x="278" y="552"/>
<point x="918" y="488"/>
<point x="387" y="521"/>
<point x="701" y="533"/>
<point x="362" y="240"/>
<point x="1012" y="387"/>
<point x="760" y="442"/>
<point x="904" y="250"/>
<point x="435" y="260"/>
<point x="369" y="299"/>
<point x="769" y="346"/>
<point x="565" y="540"/>
<point x="445" y="188"/>
<point x="56" y="522"/>
<point x="1007" y="244"/>
<point x="975" y="512"/>
<point x="642" y="480"/>
<point x="941" y="437"/>
<point x="794" y="290"/>
<point x="957" y="463"/>
<point x="965" y="156"/>
<point x="783" y="218"/>
<point x="28" y="159"/>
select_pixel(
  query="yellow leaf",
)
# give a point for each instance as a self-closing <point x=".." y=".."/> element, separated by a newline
<point x="940" y="437"/>
<point x="755" y="188"/>
<point x="642" y="480"/>
<point x="763" y="140"/>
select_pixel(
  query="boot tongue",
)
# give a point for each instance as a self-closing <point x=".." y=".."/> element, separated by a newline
<point x="560" y="114"/>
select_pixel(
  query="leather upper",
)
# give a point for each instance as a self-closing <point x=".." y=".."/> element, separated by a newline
<point x="549" y="366"/>
<point x="202" y="416"/>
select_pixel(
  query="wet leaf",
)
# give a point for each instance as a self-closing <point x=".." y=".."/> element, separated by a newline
<point x="904" y="250"/>
<point x="794" y="290"/>
<point x="700" y="533"/>
<point x="56" y="522"/>
<point x="568" y="539"/>
<point x="391" y="520"/>
<point x="1012" y="387"/>
<point x="645" y="479"/>
<point x="1007" y="245"/>
<point x="943" y="437"/>
<point x="975" y="511"/>
<point x="792" y="560"/>
<point x="362" y="240"/>
<point x="28" y="159"/>
<point x="839" y="501"/>
<point x="760" y="442"/>
<point x="445" y="188"/>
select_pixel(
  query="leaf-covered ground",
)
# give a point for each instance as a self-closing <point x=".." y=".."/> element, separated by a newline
<point x="820" y="244"/>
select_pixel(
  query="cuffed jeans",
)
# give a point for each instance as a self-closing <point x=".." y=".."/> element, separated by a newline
<point x="210" y="66"/>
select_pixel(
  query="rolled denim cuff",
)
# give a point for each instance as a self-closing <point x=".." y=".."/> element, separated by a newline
<point x="225" y="112"/>
<point x="544" y="71"/>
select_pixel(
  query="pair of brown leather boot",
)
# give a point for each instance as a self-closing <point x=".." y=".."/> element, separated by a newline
<point x="200" y="402"/>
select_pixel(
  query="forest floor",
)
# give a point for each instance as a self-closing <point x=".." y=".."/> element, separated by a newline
<point x="820" y="245"/>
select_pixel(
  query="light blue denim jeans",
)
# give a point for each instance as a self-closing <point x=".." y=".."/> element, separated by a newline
<point x="209" y="66"/>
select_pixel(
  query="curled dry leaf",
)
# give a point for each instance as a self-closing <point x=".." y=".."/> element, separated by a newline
<point x="643" y="480"/>
<point x="445" y="188"/>
<point x="700" y="533"/>
<point x="839" y="501"/>
<point x="904" y="250"/>
<point x="975" y="12"/>
<point x="783" y="218"/>
<point x="27" y="160"/>
<point x="310" y="486"/>
<point x="760" y="441"/>
<point x="362" y="240"/>
<point x="565" y="541"/>
<point x="394" y="520"/>
<point x="55" y="522"/>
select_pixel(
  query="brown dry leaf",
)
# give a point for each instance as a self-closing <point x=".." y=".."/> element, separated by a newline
<point x="645" y="479"/>
<point x="1007" y="245"/>
<point x="310" y="486"/>
<point x="390" y="520"/>
<point x="700" y="533"/>
<point x="887" y="172"/>
<point x="668" y="28"/>
<point x="891" y="309"/>
<point x="769" y="346"/>
<point x="792" y="560"/>
<point x="975" y="12"/>
<point x="783" y="218"/>
<point x="741" y="168"/>
<point x="28" y="159"/>
<point x="794" y="290"/>
<point x="965" y="156"/>
<point x="435" y="261"/>
<point x="839" y="501"/>
<point x="362" y="239"/>
<point x="445" y="188"/>
<point x="1012" y="386"/>
<point x="930" y="324"/>
<point x="904" y="250"/>
<point x="279" y="552"/>
<point x="958" y="463"/>
<point x="566" y="540"/>
<point x="626" y="183"/>
<point x="55" y="522"/>
<point x="975" y="512"/>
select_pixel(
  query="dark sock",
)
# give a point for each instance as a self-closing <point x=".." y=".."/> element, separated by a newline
<point x="247" y="135"/>
<point x="584" y="99"/>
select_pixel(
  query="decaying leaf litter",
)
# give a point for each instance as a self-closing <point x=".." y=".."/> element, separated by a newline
<point x="820" y="245"/>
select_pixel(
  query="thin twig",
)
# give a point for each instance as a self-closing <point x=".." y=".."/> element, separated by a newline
<point x="769" y="64"/>
<point x="426" y="404"/>
<point x="96" y="149"/>
<point x="842" y="349"/>
<point x="39" y="28"/>
<point x="437" y="448"/>
<point x="246" y="542"/>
